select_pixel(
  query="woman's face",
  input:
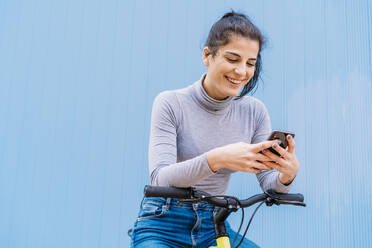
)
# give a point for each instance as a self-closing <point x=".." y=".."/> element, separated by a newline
<point x="231" y="68"/>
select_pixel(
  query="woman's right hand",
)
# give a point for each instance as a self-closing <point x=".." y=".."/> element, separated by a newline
<point x="239" y="157"/>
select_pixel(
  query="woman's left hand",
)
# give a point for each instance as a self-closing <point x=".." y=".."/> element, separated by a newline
<point x="287" y="164"/>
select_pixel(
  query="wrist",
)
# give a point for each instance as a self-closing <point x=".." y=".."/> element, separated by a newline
<point x="213" y="159"/>
<point x="286" y="179"/>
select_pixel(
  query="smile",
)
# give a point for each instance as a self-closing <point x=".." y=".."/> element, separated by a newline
<point x="235" y="81"/>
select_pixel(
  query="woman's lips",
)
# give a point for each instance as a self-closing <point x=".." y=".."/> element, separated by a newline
<point x="235" y="82"/>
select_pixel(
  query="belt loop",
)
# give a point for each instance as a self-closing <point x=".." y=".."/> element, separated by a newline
<point x="167" y="204"/>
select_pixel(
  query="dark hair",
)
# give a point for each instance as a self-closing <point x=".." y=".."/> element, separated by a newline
<point x="233" y="23"/>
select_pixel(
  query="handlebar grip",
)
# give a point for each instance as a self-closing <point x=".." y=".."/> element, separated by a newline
<point x="288" y="197"/>
<point x="296" y="197"/>
<point x="173" y="192"/>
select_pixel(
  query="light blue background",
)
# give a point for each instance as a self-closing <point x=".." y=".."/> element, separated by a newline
<point x="77" y="81"/>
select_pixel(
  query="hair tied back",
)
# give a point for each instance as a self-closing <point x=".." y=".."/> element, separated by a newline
<point x="232" y="13"/>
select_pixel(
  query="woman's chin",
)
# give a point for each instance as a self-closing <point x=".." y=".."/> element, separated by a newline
<point x="233" y="92"/>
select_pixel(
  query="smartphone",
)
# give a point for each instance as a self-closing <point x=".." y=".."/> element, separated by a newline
<point x="282" y="136"/>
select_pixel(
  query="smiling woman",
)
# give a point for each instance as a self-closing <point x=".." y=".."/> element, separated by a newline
<point x="203" y="133"/>
<point x="231" y="28"/>
<point x="231" y="68"/>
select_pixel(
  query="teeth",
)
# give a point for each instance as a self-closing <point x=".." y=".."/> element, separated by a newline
<point x="235" y="81"/>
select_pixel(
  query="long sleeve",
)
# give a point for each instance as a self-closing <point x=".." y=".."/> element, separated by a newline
<point x="163" y="167"/>
<point x="267" y="179"/>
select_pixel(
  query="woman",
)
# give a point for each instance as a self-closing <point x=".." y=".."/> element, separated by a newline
<point x="203" y="133"/>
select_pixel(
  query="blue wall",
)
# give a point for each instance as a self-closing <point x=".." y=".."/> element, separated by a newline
<point x="77" y="81"/>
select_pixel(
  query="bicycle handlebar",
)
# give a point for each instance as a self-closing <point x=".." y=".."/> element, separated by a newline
<point x="197" y="195"/>
<point x="173" y="192"/>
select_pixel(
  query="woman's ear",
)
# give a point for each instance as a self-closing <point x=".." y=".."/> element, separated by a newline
<point x="206" y="56"/>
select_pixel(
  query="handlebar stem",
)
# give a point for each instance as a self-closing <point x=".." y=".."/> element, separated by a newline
<point x="219" y="222"/>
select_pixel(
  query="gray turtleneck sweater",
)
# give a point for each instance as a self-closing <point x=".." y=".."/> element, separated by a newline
<point x="187" y="123"/>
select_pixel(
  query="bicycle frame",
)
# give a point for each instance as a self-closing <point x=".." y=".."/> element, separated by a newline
<point x="222" y="242"/>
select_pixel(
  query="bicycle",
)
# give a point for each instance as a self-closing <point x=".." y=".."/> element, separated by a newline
<point x="228" y="205"/>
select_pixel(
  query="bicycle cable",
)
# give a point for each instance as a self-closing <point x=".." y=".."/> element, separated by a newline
<point x="242" y="219"/>
<point x="249" y="223"/>
<point x="240" y="227"/>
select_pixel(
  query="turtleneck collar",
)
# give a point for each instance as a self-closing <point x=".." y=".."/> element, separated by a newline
<point x="208" y="103"/>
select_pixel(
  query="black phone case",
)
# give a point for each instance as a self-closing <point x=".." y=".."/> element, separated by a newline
<point x="279" y="135"/>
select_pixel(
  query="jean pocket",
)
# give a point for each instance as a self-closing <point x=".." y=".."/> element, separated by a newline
<point x="152" y="207"/>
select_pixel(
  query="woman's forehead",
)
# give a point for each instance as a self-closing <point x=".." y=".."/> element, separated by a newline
<point x="244" y="47"/>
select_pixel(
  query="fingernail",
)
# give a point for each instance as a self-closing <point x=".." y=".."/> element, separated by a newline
<point x="264" y="150"/>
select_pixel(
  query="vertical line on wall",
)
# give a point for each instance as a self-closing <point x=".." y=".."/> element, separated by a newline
<point x="368" y="130"/>
<point x="327" y="109"/>
<point x="76" y="80"/>
<point x="81" y="218"/>
<point x="122" y="191"/>
<point x="284" y="102"/>
<point x="165" y="82"/>
<point x="185" y="68"/>
<point x="347" y="87"/>
<point x="12" y="85"/>
<point x="90" y="159"/>
<point x="22" y="138"/>
<point x="109" y="113"/>
<point x="68" y="155"/>
<point x="108" y="77"/>
<point x="369" y="20"/>
<point x="305" y="101"/>
<point x="144" y="134"/>
<point x="36" y="151"/>
<point x="52" y="163"/>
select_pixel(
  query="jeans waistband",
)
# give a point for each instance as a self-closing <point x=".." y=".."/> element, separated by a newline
<point x="177" y="203"/>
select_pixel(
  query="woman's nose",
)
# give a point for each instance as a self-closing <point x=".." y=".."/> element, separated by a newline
<point x="240" y="70"/>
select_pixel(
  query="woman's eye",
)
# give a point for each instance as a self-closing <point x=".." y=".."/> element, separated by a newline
<point x="250" y="65"/>
<point x="232" y="60"/>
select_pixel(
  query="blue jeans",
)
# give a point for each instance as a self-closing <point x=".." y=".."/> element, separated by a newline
<point x="164" y="222"/>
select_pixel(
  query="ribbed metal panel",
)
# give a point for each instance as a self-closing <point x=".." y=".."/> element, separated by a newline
<point x="77" y="81"/>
